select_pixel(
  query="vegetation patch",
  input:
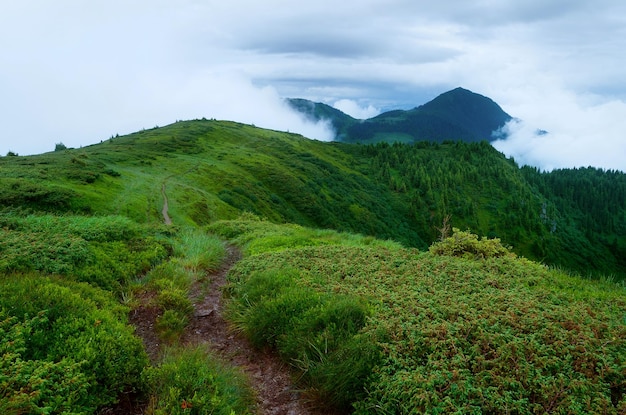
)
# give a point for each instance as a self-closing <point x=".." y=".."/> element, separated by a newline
<point x="106" y="251"/>
<point x="66" y="347"/>
<point x="459" y="333"/>
<point x="190" y="381"/>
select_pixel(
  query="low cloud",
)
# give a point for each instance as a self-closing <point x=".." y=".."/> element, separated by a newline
<point x="353" y="109"/>
<point x="579" y="134"/>
<point x="86" y="114"/>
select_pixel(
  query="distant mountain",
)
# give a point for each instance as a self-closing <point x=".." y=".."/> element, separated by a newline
<point x="458" y="114"/>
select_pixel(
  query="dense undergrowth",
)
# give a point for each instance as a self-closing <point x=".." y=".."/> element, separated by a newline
<point x="465" y="328"/>
<point x="67" y="284"/>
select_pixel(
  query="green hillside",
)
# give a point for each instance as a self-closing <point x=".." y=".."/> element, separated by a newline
<point x="458" y="114"/>
<point x="337" y="273"/>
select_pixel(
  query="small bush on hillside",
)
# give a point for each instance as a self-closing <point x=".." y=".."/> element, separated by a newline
<point x="78" y="344"/>
<point x="467" y="245"/>
<point x="171" y="324"/>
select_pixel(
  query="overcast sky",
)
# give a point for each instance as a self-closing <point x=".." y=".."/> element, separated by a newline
<point x="77" y="72"/>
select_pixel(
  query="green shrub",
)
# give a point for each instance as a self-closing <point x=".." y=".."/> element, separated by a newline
<point x="78" y="323"/>
<point x="189" y="381"/>
<point x="171" y="325"/>
<point x="467" y="245"/>
<point x="175" y="299"/>
<point x="37" y="386"/>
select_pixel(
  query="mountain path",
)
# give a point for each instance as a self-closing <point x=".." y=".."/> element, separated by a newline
<point x="268" y="376"/>
<point x="166" y="217"/>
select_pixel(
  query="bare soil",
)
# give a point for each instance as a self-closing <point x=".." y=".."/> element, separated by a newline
<point x="269" y="377"/>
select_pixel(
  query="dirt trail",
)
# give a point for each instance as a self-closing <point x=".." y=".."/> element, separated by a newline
<point x="269" y="377"/>
<point x="166" y="217"/>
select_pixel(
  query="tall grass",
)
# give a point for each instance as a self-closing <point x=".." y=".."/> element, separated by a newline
<point x="190" y="381"/>
<point x="198" y="250"/>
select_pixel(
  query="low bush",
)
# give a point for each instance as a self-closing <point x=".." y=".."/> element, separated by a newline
<point x="37" y="386"/>
<point x="467" y="245"/>
<point x="77" y="342"/>
<point x="171" y="324"/>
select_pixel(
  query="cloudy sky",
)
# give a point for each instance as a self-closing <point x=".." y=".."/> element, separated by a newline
<point x="78" y="72"/>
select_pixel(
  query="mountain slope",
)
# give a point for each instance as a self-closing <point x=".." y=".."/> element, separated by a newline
<point x="216" y="170"/>
<point x="458" y="114"/>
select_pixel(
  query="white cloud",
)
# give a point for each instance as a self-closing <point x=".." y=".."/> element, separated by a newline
<point x="581" y="135"/>
<point x="353" y="109"/>
<point x="78" y="72"/>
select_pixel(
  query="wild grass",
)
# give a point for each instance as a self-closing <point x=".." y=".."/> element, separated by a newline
<point x="189" y="380"/>
<point x="257" y="235"/>
<point x="198" y="250"/>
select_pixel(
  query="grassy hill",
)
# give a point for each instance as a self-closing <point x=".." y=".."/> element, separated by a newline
<point x="337" y="275"/>
<point x="215" y="170"/>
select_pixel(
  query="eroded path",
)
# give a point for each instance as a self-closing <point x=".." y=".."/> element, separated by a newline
<point x="269" y="377"/>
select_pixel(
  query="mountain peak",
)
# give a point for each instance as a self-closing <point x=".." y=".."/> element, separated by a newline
<point x="458" y="114"/>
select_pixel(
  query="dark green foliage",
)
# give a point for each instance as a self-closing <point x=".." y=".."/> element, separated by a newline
<point x="541" y="215"/>
<point x="60" y="147"/>
<point x="592" y="204"/>
<point x="77" y="350"/>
